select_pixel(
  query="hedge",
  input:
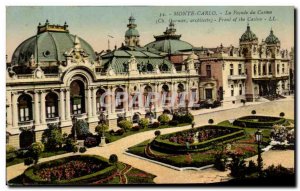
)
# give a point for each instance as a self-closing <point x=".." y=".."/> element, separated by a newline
<point x="167" y="146"/>
<point x="264" y="121"/>
<point x="31" y="178"/>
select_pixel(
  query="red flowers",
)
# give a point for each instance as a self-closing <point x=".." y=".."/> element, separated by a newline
<point x="67" y="171"/>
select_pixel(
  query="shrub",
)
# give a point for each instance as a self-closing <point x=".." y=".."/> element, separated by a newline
<point x="143" y="123"/>
<point x="119" y="132"/>
<point x="282" y="114"/>
<point x="253" y="112"/>
<point x="90" y="142"/>
<point x="157" y="133"/>
<point x="10" y="157"/>
<point x="155" y="125"/>
<point x="189" y="118"/>
<point x="252" y="167"/>
<point x="82" y="129"/>
<point x="10" y="149"/>
<point x="101" y="128"/>
<point x="277" y="171"/>
<point x="35" y="150"/>
<point x="237" y="167"/>
<point x="210" y="121"/>
<point x="75" y="149"/>
<point x="28" y="161"/>
<point x="164" y="119"/>
<point x="113" y="159"/>
<point x="69" y="144"/>
<point x="136" y="128"/>
<point x="125" y="124"/>
<point x="220" y="163"/>
<point x="52" y="138"/>
<point x="173" y="123"/>
<point x="82" y="149"/>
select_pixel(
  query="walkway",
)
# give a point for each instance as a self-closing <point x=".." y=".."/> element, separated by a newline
<point x="167" y="175"/>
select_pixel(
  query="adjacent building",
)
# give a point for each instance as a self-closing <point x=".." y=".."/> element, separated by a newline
<point x="247" y="72"/>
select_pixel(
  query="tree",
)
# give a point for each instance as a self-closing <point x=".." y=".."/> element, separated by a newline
<point x="35" y="150"/>
<point x="113" y="159"/>
<point x="124" y="124"/>
<point x="52" y="137"/>
<point x="101" y="128"/>
<point x="164" y="119"/>
<point x="82" y="129"/>
<point x="143" y="123"/>
<point x="253" y="112"/>
<point x="157" y="133"/>
<point x="282" y="114"/>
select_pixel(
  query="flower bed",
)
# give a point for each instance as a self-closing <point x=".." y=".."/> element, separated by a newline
<point x="258" y="121"/>
<point x="198" y="139"/>
<point x="79" y="169"/>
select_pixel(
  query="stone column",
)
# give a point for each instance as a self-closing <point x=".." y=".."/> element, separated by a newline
<point x="62" y="105"/>
<point x="36" y="108"/>
<point x="126" y="108"/>
<point x="156" y="103"/>
<point x="108" y="101"/>
<point x="94" y="101"/>
<point x="89" y="102"/>
<point x="9" y="109"/>
<point x="15" y="109"/>
<point x="43" y="107"/>
<point x="113" y="101"/>
<point x="68" y="113"/>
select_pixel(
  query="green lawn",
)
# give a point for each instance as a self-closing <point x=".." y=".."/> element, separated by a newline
<point x="43" y="155"/>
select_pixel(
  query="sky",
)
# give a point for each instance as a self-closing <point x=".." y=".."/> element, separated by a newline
<point x="94" y="24"/>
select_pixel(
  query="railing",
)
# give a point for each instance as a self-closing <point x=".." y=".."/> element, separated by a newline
<point x="25" y="123"/>
<point x="51" y="75"/>
<point x="119" y="110"/>
<point x="52" y="120"/>
<point x="80" y="116"/>
<point x="25" y="76"/>
<point x="237" y="77"/>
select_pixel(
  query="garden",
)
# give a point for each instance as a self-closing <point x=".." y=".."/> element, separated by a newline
<point x="212" y="144"/>
<point x="82" y="170"/>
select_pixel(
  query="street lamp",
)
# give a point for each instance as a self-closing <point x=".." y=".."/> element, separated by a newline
<point x="258" y="139"/>
<point x="74" y="121"/>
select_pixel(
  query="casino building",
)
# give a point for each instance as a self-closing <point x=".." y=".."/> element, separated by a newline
<point x="55" y="77"/>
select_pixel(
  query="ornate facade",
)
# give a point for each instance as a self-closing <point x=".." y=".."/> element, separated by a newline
<point x="248" y="72"/>
<point x="55" y="76"/>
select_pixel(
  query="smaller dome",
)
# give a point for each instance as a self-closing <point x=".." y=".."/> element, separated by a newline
<point x="248" y="36"/>
<point x="272" y="39"/>
<point x="132" y="32"/>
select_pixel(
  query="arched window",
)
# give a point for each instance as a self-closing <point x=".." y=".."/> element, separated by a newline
<point x="119" y="98"/>
<point x="77" y="97"/>
<point x="100" y="101"/>
<point x="164" y="68"/>
<point x="147" y="96"/>
<point x="51" y="105"/>
<point x="149" y="67"/>
<point x="165" y="94"/>
<point x="25" y="108"/>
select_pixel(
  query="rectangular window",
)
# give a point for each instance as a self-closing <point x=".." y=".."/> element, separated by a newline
<point x="231" y="69"/>
<point x="278" y="68"/>
<point x="241" y="89"/>
<point x="24" y="114"/>
<point x="77" y="109"/>
<point x="240" y="69"/>
<point x="51" y="111"/>
<point x="208" y="93"/>
<point x="232" y="90"/>
<point x="208" y="71"/>
<point x="283" y="68"/>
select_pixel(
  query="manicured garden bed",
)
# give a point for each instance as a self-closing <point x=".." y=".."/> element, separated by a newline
<point x="197" y="139"/>
<point x="78" y="169"/>
<point x="255" y="121"/>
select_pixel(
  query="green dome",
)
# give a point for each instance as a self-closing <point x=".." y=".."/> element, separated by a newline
<point x="132" y="32"/>
<point x="248" y="36"/>
<point x="272" y="39"/>
<point x="170" y="45"/>
<point x="49" y="47"/>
